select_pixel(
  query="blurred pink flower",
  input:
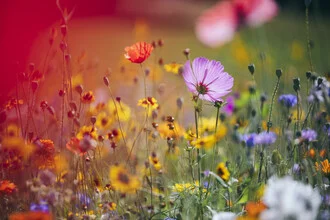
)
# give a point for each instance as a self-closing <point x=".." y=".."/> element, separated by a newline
<point x="207" y="79"/>
<point x="217" y="25"/>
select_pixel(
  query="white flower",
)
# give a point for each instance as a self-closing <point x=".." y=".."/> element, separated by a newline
<point x="289" y="199"/>
<point x="222" y="215"/>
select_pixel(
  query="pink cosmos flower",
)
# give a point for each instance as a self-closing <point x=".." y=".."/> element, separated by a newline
<point x="217" y="25"/>
<point x="207" y="79"/>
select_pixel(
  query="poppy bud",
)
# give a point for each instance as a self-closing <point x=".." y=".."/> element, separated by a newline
<point x="73" y="106"/>
<point x="64" y="29"/>
<point x="43" y="105"/>
<point x="161" y="61"/>
<point x="61" y="93"/>
<point x="79" y="89"/>
<point x="160" y="42"/>
<point x="179" y="102"/>
<point x="106" y="80"/>
<point x="67" y="57"/>
<point x="154" y="125"/>
<point x="93" y="119"/>
<point x="147" y="71"/>
<point x="170" y="118"/>
<point x="186" y="52"/>
<point x="63" y="46"/>
<point x="71" y="114"/>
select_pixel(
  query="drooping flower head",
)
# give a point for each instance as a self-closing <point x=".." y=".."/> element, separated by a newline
<point x="138" y="52"/>
<point x="207" y="79"/>
<point x="288" y="100"/>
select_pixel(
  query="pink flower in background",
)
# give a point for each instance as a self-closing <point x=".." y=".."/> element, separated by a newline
<point x="217" y="25"/>
<point x="207" y="79"/>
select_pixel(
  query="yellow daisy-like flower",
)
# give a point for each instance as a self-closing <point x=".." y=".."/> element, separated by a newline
<point x="173" y="67"/>
<point x="166" y="131"/>
<point x="153" y="159"/>
<point x="187" y="187"/>
<point x="124" y="112"/>
<point x="103" y="121"/>
<point x="149" y="102"/>
<point x="223" y="172"/>
<point x="205" y="142"/>
<point x="123" y="181"/>
<point x="112" y="206"/>
<point x="87" y="130"/>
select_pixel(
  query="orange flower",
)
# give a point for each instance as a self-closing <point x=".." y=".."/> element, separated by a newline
<point x="7" y="186"/>
<point x="45" y="153"/>
<point x="30" y="216"/>
<point x="138" y="52"/>
<point x="254" y="209"/>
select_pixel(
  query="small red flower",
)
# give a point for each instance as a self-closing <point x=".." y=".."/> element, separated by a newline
<point x="138" y="52"/>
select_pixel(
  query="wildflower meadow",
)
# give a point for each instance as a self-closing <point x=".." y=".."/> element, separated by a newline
<point x="225" y="118"/>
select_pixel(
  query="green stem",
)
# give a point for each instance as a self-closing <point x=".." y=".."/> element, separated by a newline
<point x="272" y="103"/>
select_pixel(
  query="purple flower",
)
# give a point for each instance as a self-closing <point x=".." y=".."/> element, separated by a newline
<point x="288" y="100"/>
<point x="248" y="139"/>
<point x="309" y="134"/>
<point x="39" y="207"/>
<point x="207" y="79"/>
<point x="265" y="138"/>
<point x="230" y="106"/>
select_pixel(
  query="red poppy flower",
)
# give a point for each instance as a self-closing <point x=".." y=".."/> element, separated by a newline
<point x="138" y="52"/>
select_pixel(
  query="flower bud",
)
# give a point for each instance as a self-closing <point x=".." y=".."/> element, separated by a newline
<point x="61" y="93"/>
<point x="106" y="80"/>
<point x="278" y="73"/>
<point x="296" y="84"/>
<point x="64" y="29"/>
<point x="179" y="102"/>
<point x="251" y="68"/>
<point x="79" y="89"/>
<point x="186" y="52"/>
<point x="93" y="119"/>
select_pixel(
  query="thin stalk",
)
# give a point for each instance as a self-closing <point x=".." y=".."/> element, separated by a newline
<point x="199" y="168"/>
<point x="272" y="103"/>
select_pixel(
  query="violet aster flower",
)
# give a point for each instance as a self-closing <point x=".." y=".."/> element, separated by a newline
<point x="207" y="79"/>
<point x="309" y="134"/>
<point x="288" y="100"/>
<point x="265" y="138"/>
